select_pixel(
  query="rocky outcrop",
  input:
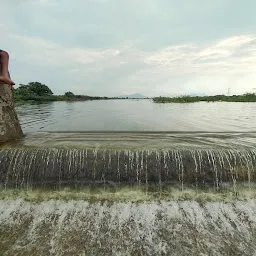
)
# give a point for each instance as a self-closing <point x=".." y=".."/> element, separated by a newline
<point x="9" y="124"/>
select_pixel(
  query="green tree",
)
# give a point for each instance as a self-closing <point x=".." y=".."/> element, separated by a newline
<point x="24" y="91"/>
<point x="69" y="94"/>
<point x="40" y="89"/>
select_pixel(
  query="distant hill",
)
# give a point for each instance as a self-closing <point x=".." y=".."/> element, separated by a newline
<point x="135" y="95"/>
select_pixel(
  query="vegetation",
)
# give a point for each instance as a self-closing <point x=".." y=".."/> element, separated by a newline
<point x="37" y="92"/>
<point x="248" y="97"/>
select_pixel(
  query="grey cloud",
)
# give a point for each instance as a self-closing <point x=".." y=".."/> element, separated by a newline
<point x="152" y="23"/>
<point x="74" y="45"/>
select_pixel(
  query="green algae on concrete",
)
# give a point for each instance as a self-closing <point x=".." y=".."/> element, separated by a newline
<point x="130" y="194"/>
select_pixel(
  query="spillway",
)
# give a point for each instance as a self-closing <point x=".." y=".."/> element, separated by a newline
<point x="128" y="194"/>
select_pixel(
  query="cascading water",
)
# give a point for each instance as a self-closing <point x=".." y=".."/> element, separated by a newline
<point x="57" y="167"/>
<point x="149" y="228"/>
<point x="168" y="217"/>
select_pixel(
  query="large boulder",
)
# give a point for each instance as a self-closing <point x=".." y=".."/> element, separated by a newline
<point x="9" y="124"/>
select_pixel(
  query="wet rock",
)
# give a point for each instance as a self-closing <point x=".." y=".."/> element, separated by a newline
<point x="9" y="124"/>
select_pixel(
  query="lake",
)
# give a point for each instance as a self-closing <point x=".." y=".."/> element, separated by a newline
<point x="138" y="115"/>
<point x="136" y="123"/>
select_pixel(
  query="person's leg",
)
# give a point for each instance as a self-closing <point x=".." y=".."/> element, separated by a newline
<point x="4" y="73"/>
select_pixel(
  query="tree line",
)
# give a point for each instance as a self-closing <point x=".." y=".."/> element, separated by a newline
<point x="36" y="91"/>
<point x="248" y="97"/>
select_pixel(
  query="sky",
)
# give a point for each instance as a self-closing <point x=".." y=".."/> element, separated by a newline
<point x="117" y="47"/>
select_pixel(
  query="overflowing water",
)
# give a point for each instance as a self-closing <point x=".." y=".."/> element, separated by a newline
<point x="130" y="178"/>
<point x="152" y="228"/>
<point x="57" y="167"/>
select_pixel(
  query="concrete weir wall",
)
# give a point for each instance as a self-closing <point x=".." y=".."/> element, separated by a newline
<point x="9" y="124"/>
<point x="38" y="167"/>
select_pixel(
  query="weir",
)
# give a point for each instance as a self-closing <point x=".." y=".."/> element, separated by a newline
<point x="128" y="195"/>
<point x="48" y="167"/>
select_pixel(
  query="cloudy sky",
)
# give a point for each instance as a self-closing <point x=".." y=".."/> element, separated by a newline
<point x="115" y="47"/>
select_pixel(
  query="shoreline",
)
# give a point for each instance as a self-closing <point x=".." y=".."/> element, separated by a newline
<point x="248" y="97"/>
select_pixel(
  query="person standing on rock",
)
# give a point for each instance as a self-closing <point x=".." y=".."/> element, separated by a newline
<point x="4" y="64"/>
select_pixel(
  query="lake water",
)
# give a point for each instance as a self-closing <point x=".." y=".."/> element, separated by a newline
<point x="139" y="123"/>
<point x="138" y="115"/>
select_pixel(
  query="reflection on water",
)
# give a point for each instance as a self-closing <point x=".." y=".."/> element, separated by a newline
<point x="137" y="115"/>
<point x="138" y="124"/>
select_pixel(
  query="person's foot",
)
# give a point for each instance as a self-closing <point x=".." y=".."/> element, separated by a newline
<point x="6" y="80"/>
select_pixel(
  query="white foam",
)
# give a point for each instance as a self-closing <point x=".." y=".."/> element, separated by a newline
<point x="149" y="228"/>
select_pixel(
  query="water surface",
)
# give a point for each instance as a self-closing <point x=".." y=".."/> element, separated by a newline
<point x="138" y="124"/>
<point x="194" y="144"/>
<point x="138" y="115"/>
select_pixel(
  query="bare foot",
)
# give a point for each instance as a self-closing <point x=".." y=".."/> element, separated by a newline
<point x="6" y="80"/>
